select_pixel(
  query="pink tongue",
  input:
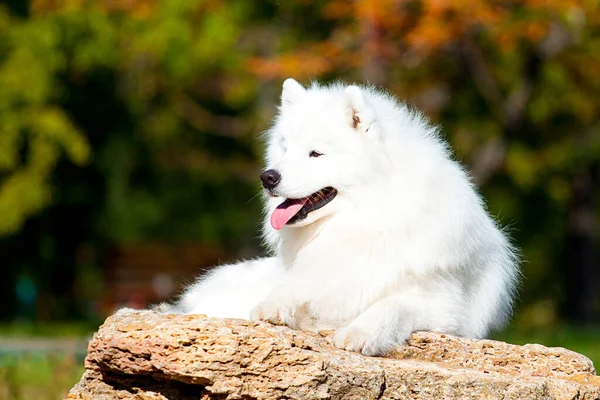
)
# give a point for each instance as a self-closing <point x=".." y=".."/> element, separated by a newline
<point x="285" y="211"/>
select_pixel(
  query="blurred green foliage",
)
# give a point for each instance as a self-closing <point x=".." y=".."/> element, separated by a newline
<point x="57" y="329"/>
<point x="35" y="131"/>
<point x="132" y="122"/>
<point x="146" y="69"/>
<point x="43" y="376"/>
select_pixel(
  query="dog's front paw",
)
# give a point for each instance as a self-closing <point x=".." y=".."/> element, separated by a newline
<point x="351" y="338"/>
<point x="274" y="313"/>
<point x="363" y="339"/>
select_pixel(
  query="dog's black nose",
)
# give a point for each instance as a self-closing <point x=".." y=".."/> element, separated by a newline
<point x="270" y="179"/>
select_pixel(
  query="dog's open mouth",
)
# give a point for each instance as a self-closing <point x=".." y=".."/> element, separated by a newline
<point x="293" y="210"/>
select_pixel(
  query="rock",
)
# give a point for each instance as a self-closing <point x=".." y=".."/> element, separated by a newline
<point x="143" y="355"/>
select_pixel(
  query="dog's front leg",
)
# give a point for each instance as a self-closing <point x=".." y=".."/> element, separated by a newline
<point x="389" y="322"/>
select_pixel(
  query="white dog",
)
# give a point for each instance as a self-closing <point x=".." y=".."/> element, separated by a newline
<point x="375" y="230"/>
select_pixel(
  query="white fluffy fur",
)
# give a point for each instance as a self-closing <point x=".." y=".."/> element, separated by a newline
<point x="406" y="245"/>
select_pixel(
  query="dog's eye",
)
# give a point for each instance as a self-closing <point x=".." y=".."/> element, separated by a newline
<point x="315" y="153"/>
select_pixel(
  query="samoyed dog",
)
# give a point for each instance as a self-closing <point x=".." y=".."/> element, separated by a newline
<point x="375" y="230"/>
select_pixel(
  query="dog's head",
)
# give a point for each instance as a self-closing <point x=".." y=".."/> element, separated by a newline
<point x="323" y="146"/>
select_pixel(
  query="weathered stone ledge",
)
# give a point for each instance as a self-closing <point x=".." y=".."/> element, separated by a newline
<point x="142" y="355"/>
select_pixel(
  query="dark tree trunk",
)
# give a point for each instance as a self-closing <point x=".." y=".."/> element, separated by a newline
<point x="582" y="256"/>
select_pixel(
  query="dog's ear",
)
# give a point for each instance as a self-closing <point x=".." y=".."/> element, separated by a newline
<point x="292" y="91"/>
<point x="361" y="113"/>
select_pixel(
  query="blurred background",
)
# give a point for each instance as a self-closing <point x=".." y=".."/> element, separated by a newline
<point x="130" y="150"/>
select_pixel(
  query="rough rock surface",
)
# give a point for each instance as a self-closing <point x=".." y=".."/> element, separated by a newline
<point x="142" y="355"/>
